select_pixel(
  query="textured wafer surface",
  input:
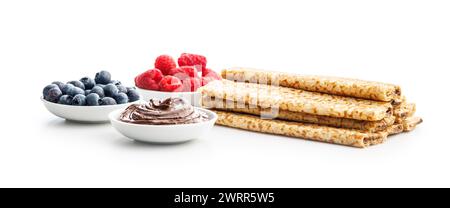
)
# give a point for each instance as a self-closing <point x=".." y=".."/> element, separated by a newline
<point x="315" y="132"/>
<point x="330" y="85"/>
<point x="411" y="123"/>
<point x="395" y="129"/>
<point x="295" y="100"/>
<point x="403" y="111"/>
<point x="369" y="126"/>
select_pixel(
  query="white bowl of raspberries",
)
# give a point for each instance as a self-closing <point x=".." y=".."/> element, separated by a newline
<point x="167" y="80"/>
<point x="88" y="100"/>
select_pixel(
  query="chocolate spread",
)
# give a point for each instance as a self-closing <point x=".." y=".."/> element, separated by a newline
<point x="167" y="112"/>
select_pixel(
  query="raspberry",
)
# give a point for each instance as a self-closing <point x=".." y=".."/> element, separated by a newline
<point x="175" y="71"/>
<point x="171" y="84"/>
<point x="187" y="59"/>
<point x="191" y="84"/>
<point x="149" y="80"/>
<point x="165" y="63"/>
<point x="184" y="72"/>
<point x="191" y="71"/>
<point x="179" y="73"/>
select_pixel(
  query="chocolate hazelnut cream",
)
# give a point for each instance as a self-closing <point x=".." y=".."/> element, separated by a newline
<point x="167" y="112"/>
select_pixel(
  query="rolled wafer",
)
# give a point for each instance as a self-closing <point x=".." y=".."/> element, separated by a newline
<point x="395" y="129"/>
<point x="398" y="101"/>
<point x="315" y="132"/>
<point x="381" y="136"/>
<point x="288" y="99"/>
<point x="369" y="126"/>
<point x="403" y="111"/>
<point x="331" y="85"/>
<point x="410" y="123"/>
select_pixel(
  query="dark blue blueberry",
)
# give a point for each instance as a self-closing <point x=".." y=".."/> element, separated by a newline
<point x="52" y="94"/>
<point x="77" y="83"/>
<point x="65" y="100"/>
<point x="60" y="84"/>
<point x="98" y="90"/>
<point x="87" y="92"/>
<point x="103" y="77"/>
<point x="116" y="82"/>
<point x="107" y="101"/>
<point x="65" y="89"/>
<point x="111" y="90"/>
<point x="122" y="89"/>
<point x="121" y="98"/>
<point x="47" y="88"/>
<point x="92" y="99"/>
<point x="130" y="88"/>
<point x="75" y="91"/>
<point x="100" y="85"/>
<point x="133" y="95"/>
<point x="79" y="100"/>
<point x="89" y="83"/>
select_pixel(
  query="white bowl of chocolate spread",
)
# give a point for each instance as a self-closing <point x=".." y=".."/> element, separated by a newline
<point x="172" y="120"/>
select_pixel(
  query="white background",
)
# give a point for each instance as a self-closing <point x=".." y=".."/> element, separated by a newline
<point x="403" y="42"/>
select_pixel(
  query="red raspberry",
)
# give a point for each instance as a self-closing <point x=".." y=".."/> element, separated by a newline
<point x="165" y="63"/>
<point x="187" y="59"/>
<point x="179" y="73"/>
<point x="171" y="84"/>
<point x="149" y="80"/>
<point x="175" y="71"/>
<point x="191" y="84"/>
<point x="191" y="71"/>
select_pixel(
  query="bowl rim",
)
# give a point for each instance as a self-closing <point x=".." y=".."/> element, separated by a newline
<point x="162" y="92"/>
<point x="112" y="116"/>
<point x="86" y="106"/>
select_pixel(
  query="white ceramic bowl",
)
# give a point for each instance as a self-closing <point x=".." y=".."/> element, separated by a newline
<point x="193" y="97"/>
<point x="163" y="133"/>
<point x="87" y="114"/>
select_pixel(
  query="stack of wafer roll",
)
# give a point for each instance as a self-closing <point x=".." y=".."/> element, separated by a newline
<point x="335" y="110"/>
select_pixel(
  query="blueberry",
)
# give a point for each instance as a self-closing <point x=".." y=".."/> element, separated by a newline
<point x="133" y="95"/>
<point x="87" y="92"/>
<point x="122" y="89"/>
<point x="100" y="85"/>
<point x="103" y="77"/>
<point x="89" y="83"/>
<point x="65" y="89"/>
<point x="115" y="82"/>
<point x="47" y="88"/>
<point x="107" y="101"/>
<point x="77" y="83"/>
<point x="65" y="100"/>
<point x="79" y="100"/>
<point x="130" y="88"/>
<point x="75" y="91"/>
<point x="52" y="94"/>
<point x="99" y="91"/>
<point x="111" y="90"/>
<point x="92" y="99"/>
<point x="60" y="84"/>
<point x="121" y="98"/>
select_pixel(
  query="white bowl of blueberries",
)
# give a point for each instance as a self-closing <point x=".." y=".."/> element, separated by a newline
<point x="88" y="100"/>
